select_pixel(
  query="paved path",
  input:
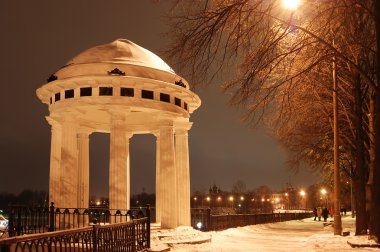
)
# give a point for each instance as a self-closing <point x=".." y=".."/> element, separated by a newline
<point x="302" y="235"/>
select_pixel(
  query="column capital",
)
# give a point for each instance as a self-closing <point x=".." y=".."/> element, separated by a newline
<point x="83" y="133"/>
<point x="182" y="128"/>
<point x="129" y="134"/>
<point x="70" y="121"/>
<point x="156" y="133"/>
<point x="53" y="123"/>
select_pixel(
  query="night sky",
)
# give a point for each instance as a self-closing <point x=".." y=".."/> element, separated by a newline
<point x="38" y="37"/>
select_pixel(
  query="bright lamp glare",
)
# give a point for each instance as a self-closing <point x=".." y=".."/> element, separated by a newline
<point x="291" y="4"/>
<point x="199" y="225"/>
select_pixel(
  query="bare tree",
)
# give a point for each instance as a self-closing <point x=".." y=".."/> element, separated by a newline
<point x="239" y="187"/>
<point x="274" y="61"/>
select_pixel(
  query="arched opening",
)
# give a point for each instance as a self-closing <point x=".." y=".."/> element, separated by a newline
<point x="142" y="164"/>
<point x="143" y="169"/>
<point x="99" y="167"/>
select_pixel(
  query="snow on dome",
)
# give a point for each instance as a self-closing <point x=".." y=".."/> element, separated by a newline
<point x="121" y="51"/>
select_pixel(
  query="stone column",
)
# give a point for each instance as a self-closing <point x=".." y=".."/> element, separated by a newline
<point x="119" y="164"/>
<point x="128" y="135"/>
<point x="69" y="166"/>
<point x="55" y="163"/>
<point x="183" y="176"/>
<point x="83" y="170"/>
<point x="168" y="183"/>
<point x="158" y="179"/>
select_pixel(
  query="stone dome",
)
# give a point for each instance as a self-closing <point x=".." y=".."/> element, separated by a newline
<point x="121" y="57"/>
<point x="120" y="75"/>
<point x="121" y="51"/>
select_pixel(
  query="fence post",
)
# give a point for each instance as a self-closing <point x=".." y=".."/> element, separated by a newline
<point x="51" y="217"/>
<point x="18" y="225"/>
<point x="148" y="225"/>
<point x="133" y="236"/>
<point x="11" y="223"/>
<point x="94" y="238"/>
<point x="209" y="227"/>
<point x="5" y="248"/>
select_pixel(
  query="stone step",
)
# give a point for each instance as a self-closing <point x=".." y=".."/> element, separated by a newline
<point x="180" y="235"/>
<point x="159" y="248"/>
<point x="368" y="245"/>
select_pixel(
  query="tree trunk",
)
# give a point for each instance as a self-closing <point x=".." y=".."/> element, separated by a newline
<point x="375" y="210"/>
<point x="359" y="177"/>
<point x="369" y="186"/>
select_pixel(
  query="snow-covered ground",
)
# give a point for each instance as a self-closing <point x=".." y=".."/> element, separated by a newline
<point x="303" y="235"/>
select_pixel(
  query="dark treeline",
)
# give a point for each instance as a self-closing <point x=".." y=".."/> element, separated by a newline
<point x="26" y="197"/>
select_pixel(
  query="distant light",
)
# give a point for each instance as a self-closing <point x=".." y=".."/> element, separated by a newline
<point x="252" y="199"/>
<point x="262" y="199"/>
<point x="241" y="198"/>
<point x="268" y="199"/>
<point x="219" y="198"/>
<point x="239" y="205"/>
<point x="195" y="198"/>
<point x="97" y="203"/>
<point x="199" y="225"/>
<point x="286" y="194"/>
<point x="208" y="198"/>
<point x="302" y="193"/>
<point x="231" y="198"/>
<point x="277" y="199"/>
<point x="323" y="191"/>
<point x="291" y="4"/>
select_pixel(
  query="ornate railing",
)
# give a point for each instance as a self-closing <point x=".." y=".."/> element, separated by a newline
<point x="32" y="220"/>
<point x="130" y="236"/>
<point x="209" y="221"/>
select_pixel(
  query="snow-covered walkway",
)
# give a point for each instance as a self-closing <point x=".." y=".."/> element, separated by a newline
<point x="303" y="235"/>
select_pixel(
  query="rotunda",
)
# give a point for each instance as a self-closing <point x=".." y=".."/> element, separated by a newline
<point x="122" y="89"/>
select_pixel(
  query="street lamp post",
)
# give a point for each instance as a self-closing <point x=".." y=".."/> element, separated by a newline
<point x="292" y="5"/>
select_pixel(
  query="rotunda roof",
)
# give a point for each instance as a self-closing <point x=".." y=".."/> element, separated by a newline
<point x="121" y="51"/>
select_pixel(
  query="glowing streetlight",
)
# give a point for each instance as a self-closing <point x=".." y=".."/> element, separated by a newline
<point x="323" y="191"/>
<point x="302" y="193"/>
<point x="303" y="202"/>
<point x="219" y="198"/>
<point x="208" y="199"/>
<point x="195" y="198"/>
<point x="231" y="198"/>
<point x="241" y="198"/>
<point x="291" y="4"/>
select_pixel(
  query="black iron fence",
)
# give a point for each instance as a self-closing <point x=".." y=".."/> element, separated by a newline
<point x="133" y="235"/>
<point x="201" y="218"/>
<point x="32" y="220"/>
